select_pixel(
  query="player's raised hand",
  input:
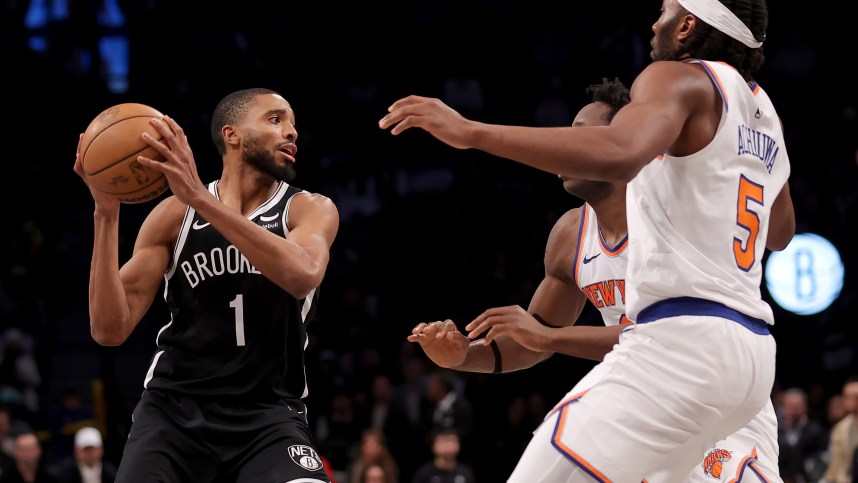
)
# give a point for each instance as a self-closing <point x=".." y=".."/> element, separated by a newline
<point x="103" y="201"/>
<point x="442" y="342"/>
<point x="431" y="115"/>
<point x="178" y="163"/>
<point x="512" y="321"/>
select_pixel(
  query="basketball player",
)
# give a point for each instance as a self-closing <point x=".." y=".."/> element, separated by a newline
<point x="702" y="150"/>
<point x="585" y="259"/>
<point x="242" y="259"/>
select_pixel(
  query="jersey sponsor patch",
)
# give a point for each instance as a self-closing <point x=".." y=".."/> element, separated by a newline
<point x="714" y="461"/>
<point x="305" y="457"/>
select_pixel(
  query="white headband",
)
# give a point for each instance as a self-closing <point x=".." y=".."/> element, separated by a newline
<point x="722" y="19"/>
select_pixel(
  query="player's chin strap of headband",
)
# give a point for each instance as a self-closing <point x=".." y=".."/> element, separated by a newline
<point x="722" y="19"/>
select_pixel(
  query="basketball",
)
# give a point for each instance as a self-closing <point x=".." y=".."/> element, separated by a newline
<point x="109" y="149"/>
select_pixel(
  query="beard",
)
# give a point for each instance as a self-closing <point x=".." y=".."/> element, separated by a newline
<point x="661" y="48"/>
<point x="263" y="160"/>
<point x="661" y="52"/>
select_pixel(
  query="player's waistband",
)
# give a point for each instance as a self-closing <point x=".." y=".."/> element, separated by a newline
<point x="693" y="306"/>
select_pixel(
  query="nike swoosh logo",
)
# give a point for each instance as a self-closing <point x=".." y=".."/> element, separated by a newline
<point x="198" y="226"/>
<point x="269" y="218"/>
<point x="590" y="259"/>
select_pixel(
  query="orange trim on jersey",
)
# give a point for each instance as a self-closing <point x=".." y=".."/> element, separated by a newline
<point x="755" y="88"/>
<point x="748" y="462"/>
<point x="566" y="401"/>
<point x="753" y="466"/>
<point x="714" y="75"/>
<point x="617" y="250"/>
<point x="577" y="459"/>
<point x="582" y="229"/>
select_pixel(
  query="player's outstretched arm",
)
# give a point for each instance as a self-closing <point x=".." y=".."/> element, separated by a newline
<point x="447" y="347"/>
<point x="664" y="96"/>
<point x="514" y="322"/>
<point x="557" y="303"/>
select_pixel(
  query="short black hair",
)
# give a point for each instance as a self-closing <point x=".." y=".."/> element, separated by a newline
<point x="232" y="108"/>
<point x="611" y="92"/>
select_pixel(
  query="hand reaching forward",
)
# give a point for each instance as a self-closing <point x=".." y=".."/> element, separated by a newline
<point x="512" y="321"/>
<point x="442" y="342"/>
<point x="431" y="115"/>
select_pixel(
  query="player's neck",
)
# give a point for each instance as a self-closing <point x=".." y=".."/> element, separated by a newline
<point x="245" y="193"/>
<point x="611" y="218"/>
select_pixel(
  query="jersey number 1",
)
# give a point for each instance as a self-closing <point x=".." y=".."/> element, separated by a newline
<point x="749" y="220"/>
<point x="238" y="305"/>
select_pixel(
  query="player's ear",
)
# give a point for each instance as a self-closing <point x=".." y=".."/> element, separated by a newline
<point x="685" y="26"/>
<point x="230" y="135"/>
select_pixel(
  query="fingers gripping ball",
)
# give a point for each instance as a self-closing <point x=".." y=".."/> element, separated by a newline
<point x="109" y="149"/>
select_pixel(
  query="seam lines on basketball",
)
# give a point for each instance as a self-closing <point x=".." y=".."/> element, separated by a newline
<point x="119" y="160"/>
<point x="134" y="154"/>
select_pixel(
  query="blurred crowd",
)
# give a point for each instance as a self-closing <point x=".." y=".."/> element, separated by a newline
<point x="426" y="233"/>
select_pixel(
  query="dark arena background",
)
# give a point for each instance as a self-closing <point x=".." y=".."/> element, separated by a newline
<point x="427" y="232"/>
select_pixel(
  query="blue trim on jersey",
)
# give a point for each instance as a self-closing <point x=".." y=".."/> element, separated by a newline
<point x="712" y="75"/>
<point x="693" y="306"/>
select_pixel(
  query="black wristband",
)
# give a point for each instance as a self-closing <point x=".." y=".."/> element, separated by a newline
<point x="498" y="359"/>
<point x="543" y="322"/>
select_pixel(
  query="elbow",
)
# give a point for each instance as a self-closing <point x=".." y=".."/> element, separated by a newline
<point x="304" y="283"/>
<point x="778" y="240"/>
<point x="778" y="245"/>
<point x="105" y="337"/>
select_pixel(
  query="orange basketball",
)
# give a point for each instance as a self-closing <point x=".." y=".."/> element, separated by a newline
<point x="109" y="149"/>
<point x="716" y="469"/>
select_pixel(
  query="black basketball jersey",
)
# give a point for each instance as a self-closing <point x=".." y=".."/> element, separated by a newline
<point x="232" y="332"/>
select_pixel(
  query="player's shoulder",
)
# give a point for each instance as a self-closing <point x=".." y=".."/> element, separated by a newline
<point x="669" y="76"/>
<point x="569" y="222"/>
<point x="163" y="223"/>
<point x="170" y="209"/>
<point x="306" y="205"/>
<point x="308" y="200"/>
<point x="563" y="238"/>
<point x="673" y="68"/>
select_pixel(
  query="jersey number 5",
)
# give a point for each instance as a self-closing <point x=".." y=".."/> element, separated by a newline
<point x="237" y="304"/>
<point x="748" y="219"/>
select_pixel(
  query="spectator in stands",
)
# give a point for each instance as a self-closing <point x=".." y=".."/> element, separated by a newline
<point x="802" y="440"/>
<point x="28" y="466"/>
<point x="88" y="464"/>
<point x="844" y="437"/>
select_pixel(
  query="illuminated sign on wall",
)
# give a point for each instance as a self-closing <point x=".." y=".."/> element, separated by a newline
<point x="807" y="276"/>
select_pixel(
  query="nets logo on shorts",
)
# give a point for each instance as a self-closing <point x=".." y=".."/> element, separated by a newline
<point x="305" y="457"/>
<point x="713" y="462"/>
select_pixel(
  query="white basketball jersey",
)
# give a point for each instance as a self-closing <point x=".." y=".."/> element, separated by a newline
<point x="600" y="270"/>
<point x="698" y="223"/>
